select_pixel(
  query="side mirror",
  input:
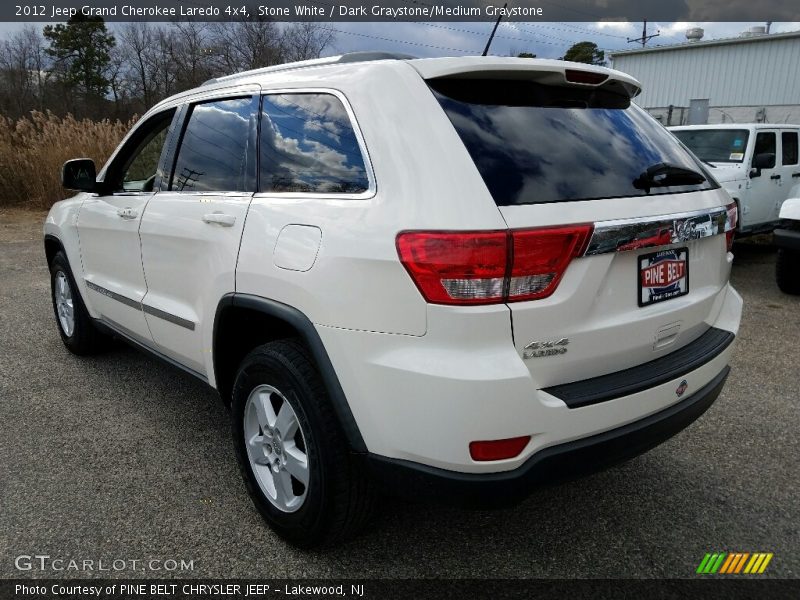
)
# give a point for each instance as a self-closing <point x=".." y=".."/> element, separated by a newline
<point x="79" y="174"/>
<point x="765" y="160"/>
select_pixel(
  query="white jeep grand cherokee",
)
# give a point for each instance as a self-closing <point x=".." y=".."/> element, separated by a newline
<point x="456" y="278"/>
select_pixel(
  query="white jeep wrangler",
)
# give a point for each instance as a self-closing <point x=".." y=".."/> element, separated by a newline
<point x="454" y="278"/>
<point x="756" y="163"/>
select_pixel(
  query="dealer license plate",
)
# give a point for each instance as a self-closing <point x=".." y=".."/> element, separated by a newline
<point x="663" y="275"/>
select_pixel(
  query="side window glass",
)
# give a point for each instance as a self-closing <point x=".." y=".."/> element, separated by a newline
<point x="766" y="143"/>
<point x="308" y="145"/>
<point x="138" y="168"/>
<point x="213" y="154"/>
<point x="789" y="145"/>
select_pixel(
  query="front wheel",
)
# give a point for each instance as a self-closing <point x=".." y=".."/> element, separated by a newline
<point x="75" y="325"/>
<point x="291" y="450"/>
<point x="787" y="271"/>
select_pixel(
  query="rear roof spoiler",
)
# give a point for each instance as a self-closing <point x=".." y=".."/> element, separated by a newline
<point x="547" y="72"/>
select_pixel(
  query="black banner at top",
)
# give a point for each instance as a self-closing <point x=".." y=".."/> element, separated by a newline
<point x="402" y="10"/>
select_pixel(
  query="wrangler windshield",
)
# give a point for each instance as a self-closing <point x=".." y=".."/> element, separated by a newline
<point x="715" y="145"/>
<point x="534" y="143"/>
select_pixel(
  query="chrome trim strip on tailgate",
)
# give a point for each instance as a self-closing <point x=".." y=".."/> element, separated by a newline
<point x="648" y="232"/>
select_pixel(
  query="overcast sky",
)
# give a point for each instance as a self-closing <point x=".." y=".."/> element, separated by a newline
<point x="545" y="39"/>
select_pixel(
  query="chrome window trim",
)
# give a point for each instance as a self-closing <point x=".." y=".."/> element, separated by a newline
<point x="371" y="190"/>
<point x="609" y="236"/>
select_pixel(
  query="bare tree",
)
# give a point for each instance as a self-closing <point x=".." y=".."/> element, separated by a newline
<point x="148" y="62"/>
<point x="193" y="54"/>
<point x="246" y="45"/>
<point x="23" y="64"/>
<point x="137" y="45"/>
<point x="302" y="41"/>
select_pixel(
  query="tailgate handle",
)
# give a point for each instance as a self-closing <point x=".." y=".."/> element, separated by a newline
<point x="774" y="176"/>
<point x="666" y="336"/>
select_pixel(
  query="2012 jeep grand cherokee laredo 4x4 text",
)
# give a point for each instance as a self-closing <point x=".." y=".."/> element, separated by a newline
<point x="455" y="277"/>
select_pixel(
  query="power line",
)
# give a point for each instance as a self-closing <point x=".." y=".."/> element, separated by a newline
<point x="385" y="39"/>
<point x="580" y="29"/>
<point x="562" y="42"/>
<point x="516" y="38"/>
<point x="645" y="38"/>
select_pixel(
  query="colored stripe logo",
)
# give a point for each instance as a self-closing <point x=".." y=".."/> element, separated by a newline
<point x="734" y="563"/>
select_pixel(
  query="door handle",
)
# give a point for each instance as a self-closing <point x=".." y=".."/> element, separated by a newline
<point x="219" y="218"/>
<point x="127" y="213"/>
<point x="795" y="175"/>
<point x="774" y="176"/>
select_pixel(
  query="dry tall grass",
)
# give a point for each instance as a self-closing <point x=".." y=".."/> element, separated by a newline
<point x="32" y="151"/>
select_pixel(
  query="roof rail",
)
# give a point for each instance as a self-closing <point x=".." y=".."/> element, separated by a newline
<point x="352" y="57"/>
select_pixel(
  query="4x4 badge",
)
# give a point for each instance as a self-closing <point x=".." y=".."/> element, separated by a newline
<point x="545" y="348"/>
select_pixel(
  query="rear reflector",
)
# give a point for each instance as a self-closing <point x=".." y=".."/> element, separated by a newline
<point x="586" y="77"/>
<point x="490" y="267"/>
<point x="731" y="222"/>
<point x="498" y="449"/>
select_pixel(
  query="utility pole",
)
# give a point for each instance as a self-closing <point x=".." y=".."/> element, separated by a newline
<point x="496" y="25"/>
<point x="645" y="38"/>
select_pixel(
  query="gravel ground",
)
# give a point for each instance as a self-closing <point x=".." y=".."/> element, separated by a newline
<point x="121" y="457"/>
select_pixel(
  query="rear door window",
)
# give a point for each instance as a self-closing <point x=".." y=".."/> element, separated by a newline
<point x="789" y="147"/>
<point x="309" y="145"/>
<point x="766" y="144"/>
<point x="534" y="143"/>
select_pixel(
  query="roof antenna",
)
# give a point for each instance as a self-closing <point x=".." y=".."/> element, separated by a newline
<point x="496" y="25"/>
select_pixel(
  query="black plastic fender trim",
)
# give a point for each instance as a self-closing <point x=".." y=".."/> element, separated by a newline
<point x="303" y="324"/>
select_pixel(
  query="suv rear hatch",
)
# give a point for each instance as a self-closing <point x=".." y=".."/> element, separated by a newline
<point x="616" y="246"/>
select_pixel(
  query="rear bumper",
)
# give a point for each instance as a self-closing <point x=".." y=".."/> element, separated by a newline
<point x="786" y="238"/>
<point x="423" y="400"/>
<point x="551" y="465"/>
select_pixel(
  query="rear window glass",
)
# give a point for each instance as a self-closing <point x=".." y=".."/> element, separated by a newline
<point x="308" y="145"/>
<point x="716" y="145"/>
<point x="534" y="143"/>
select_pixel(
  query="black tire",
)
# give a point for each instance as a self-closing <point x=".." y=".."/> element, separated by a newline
<point x="787" y="271"/>
<point x="339" y="498"/>
<point x="85" y="337"/>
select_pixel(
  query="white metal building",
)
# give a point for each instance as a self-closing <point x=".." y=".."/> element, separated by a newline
<point x="752" y="78"/>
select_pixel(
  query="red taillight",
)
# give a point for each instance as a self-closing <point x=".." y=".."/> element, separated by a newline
<point x="731" y="222"/>
<point x="540" y="258"/>
<point x="456" y="268"/>
<point x="488" y="267"/>
<point x="498" y="449"/>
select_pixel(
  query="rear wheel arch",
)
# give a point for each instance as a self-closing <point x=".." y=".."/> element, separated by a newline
<point x="243" y="322"/>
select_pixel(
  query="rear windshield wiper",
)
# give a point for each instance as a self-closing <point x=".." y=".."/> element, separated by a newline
<point x="665" y="174"/>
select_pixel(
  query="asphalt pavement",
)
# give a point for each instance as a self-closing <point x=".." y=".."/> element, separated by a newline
<point x="121" y="458"/>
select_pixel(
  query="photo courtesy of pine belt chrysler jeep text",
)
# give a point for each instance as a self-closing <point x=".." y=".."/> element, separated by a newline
<point x="448" y="278"/>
